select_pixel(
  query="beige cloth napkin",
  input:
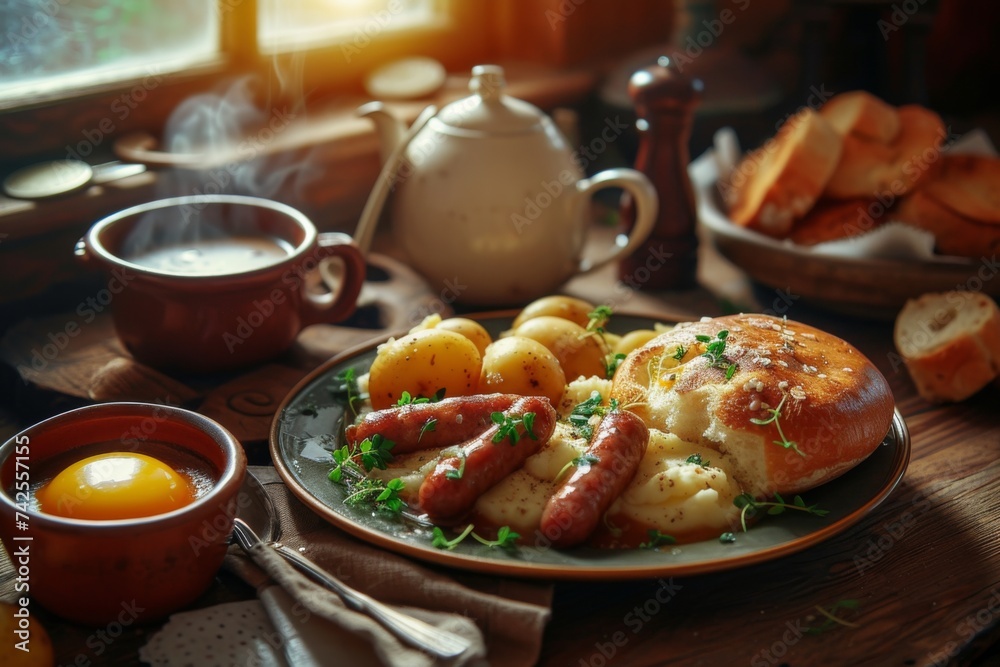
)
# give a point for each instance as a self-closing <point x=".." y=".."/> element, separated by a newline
<point x="505" y="618"/>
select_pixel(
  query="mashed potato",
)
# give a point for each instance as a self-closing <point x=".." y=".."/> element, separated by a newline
<point x="684" y="500"/>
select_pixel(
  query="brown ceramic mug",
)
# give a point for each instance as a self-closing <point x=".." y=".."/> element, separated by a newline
<point x="216" y="282"/>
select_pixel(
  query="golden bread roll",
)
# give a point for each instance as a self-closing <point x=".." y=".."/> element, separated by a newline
<point x="870" y="169"/>
<point x="862" y="114"/>
<point x="950" y="343"/>
<point x="831" y="220"/>
<point x="954" y="234"/>
<point x="968" y="185"/>
<point x="779" y="182"/>
<point x="835" y="406"/>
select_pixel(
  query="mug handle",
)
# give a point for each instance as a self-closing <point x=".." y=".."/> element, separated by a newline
<point x="646" y="204"/>
<point x="344" y="288"/>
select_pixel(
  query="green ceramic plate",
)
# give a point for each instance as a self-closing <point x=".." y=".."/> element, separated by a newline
<point x="304" y="433"/>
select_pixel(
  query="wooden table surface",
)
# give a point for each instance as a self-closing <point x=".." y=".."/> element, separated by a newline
<point x="923" y="567"/>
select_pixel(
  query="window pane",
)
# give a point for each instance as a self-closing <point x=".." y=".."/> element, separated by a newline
<point x="296" y="23"/>
<point x="51" y="44"/>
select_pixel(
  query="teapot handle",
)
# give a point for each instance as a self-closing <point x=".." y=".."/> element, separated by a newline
<point x="646" y="204"/>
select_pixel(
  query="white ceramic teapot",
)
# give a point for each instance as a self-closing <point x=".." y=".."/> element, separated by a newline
<point x="491" y="205"/>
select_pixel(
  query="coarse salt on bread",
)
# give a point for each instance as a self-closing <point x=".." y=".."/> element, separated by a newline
<point x="950" y="343"/>
<point x="837" y="406"/>
<point x="969" y="185"/>
<point x="862" y="114"/>
<point x="778" y="183"/>
<point x="872" y="169"/>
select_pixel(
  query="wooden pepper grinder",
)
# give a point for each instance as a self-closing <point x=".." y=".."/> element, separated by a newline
<point x="664" y="102"/>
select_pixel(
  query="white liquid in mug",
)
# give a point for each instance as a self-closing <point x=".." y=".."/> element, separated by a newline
<point x="215" y="257"/>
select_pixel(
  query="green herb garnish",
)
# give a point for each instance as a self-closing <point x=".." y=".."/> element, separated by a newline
<point x="612" y="364"/>
<point x="347" y="390"/>
<point x="508" y="427"/>
<point x="831" y="619"/>
<point x="680" y="352"/>
<point x="657" y="539"/>
<point x="407" y="399"/>
<point x="775" y="416"/>
<point x="428" y="426"/>
<point x="598" y="318"/>
<point x="715" y="351"/>
<point x="384" y="495"/>
<point x="579" y="417"/>
<point x="695" y="459"/>
<point x="584" y="461"/>
<point x="457" y="474"/>
<point x="506" y="538"/>
<point x="727" y="538"/>
<point x="374" y="452"/>
<point x="748" y="504"/>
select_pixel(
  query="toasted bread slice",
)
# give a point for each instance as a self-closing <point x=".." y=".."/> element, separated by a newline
<point x="868" y="168"/>
<point x="779" y="182"/>
<point x="831" y="220"/>
<point x="969" y="185"/>
<point x="950" y="343"/>
<point x="864" y="115"/>
<point x="954" y="234"/>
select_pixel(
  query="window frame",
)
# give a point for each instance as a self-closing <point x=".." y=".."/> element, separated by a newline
<point x="93" y="116"/>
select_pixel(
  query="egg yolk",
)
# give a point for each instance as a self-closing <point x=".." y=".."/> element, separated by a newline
<point x="117" y="485"/>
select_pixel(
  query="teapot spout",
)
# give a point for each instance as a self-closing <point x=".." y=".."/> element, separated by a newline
<point x="390" y="129"/>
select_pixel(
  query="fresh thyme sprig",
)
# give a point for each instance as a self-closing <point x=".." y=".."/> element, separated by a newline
<point x="612" y="363"/>
<point x="598" y="318"/>
<point x="715" y="351"/>
<point x="460" y="472"/>
<point x="506" y="538"/>
<point x="579" y="417"/>
<point x="508" y="427"/>
<point x="428" y="426"/>
<point x="775" y="416"/>
<point x="831" y="620"/>
<point x="347" y="390"/>
<point x="584" y="461"/>
<point x="657" y="539"/>
<point x="374" y="452"/>
<point x="679" y="352"/>
<point x="695" y="459"/>
<point x="406" y="399"/>
<point x="384" y="495"/>
<point x="748" y="504"/>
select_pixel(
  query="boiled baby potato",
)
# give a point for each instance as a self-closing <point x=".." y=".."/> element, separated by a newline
<point x="580" y="352"/>
<point x="633" y="340"/>
<point x="567" y="307"/>
<point x="423" y="363"/>
<point x="519" y="365"/>
<point x="471" y="329"/>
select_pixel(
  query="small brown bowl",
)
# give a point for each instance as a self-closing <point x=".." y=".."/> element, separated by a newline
<point x="94" y="572"/>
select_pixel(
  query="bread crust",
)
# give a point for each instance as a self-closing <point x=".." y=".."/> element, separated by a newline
<point x="837" y="406"/>
<point x="950" y="343"/>
<point x="782" y="180"/>
<point x="954" y="234"/>
<point x="870" y="169"/>
<point x="863" y="114"/>
<point x="968" y="185"/>
<point x="831" y="220"/>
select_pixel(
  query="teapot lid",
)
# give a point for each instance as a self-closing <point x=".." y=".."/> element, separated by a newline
<point x="488" y="110"/>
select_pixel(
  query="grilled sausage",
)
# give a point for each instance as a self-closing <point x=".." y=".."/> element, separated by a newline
<point x="453" y="420"/>
<point x="575" y="509"/>
<point x="445" y="499"/>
